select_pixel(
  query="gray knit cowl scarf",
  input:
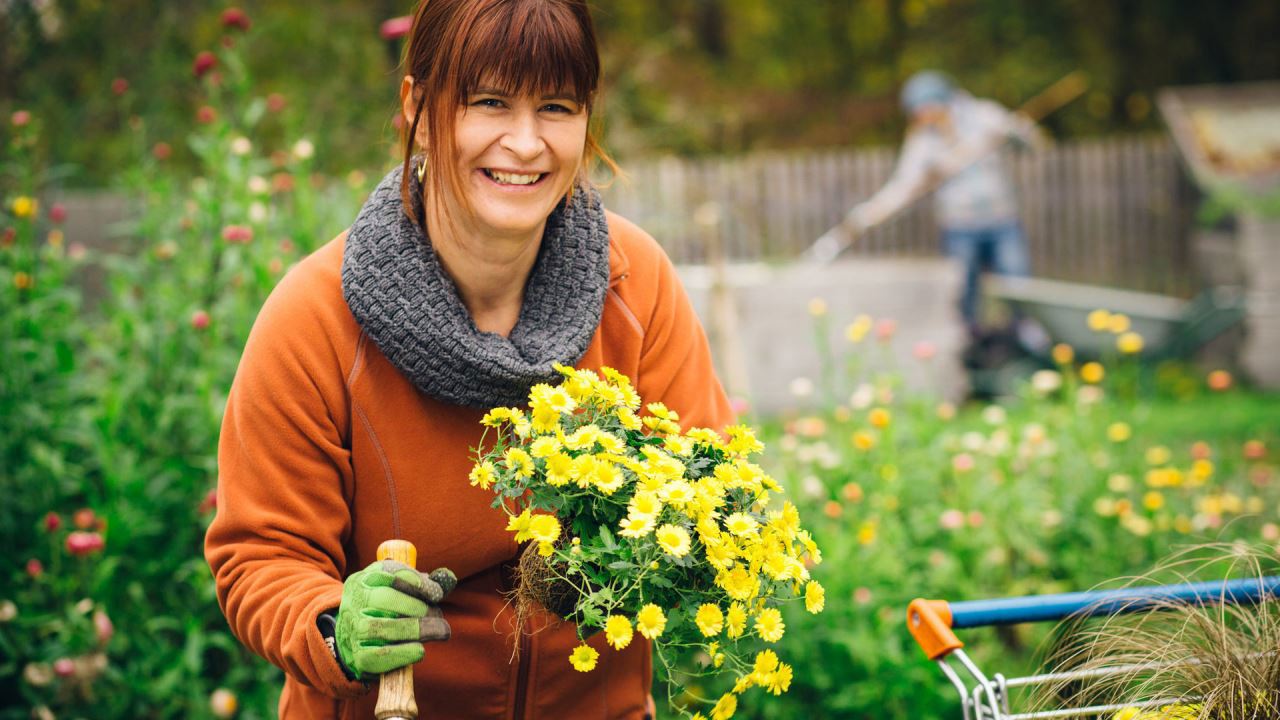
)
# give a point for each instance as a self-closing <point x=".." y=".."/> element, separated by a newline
<point x="406" y="303"/>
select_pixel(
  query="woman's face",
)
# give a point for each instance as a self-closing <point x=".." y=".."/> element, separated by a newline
<point x="518" y="155"/>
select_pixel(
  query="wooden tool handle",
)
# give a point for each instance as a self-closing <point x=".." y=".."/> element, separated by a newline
<point x="395" y="689"/>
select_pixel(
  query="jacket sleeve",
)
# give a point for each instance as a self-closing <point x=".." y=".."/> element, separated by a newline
<point x="675" y="361"/>
<point x="284" y="476"/>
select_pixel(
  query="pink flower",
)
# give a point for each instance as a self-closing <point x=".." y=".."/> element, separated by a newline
<point x="739" y="405"/>
<point x="236" y="18"/>
<point x="237" y="234"/>
<point x="924" y="350"/>
<point x="64" y="667"/>
<point x="35" y="568"/>
<point x="275" y="102"/>
<point x="885" y="328"/>
<point x="161" y="151"/>
<point x="1200" y="450"/>
<point x="951" y="519"/>
<point x="396" y="27"/>
<point x="58" y="213"/>
<point x="84" y="518"/>
<point x="84" y="543"/>
<point x="206" y="115"/>
<point x="119" y="86"/>
<point x="205" y="61"/>
<point x="103" y="627"/>
<point x="976" y="518"/>
<point x="862" y="595"/>
<point x="200" y="320"/>
<point x="20" y="118"/>
<point x="52" y="521"/>
<point x="962" y="462"/>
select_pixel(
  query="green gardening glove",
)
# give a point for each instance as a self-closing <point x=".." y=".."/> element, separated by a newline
<point x="388" y="610"/>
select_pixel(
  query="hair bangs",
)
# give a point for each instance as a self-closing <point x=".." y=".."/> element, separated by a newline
<point x="530" y="47"/>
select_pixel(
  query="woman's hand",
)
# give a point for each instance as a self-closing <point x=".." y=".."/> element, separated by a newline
<point x="388" y="610"/>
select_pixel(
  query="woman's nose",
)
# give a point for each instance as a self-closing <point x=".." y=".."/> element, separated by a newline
<point x="524" y="137"/>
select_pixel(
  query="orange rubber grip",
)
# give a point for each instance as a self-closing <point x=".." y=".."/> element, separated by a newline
<point x="930" y="624"/>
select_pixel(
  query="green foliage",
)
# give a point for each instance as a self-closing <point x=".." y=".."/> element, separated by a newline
<point x="116" y="411"/>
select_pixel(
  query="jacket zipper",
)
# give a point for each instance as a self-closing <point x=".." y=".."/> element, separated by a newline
<point x="522" y="676"/>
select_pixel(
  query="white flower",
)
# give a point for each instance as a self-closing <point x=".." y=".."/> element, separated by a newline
<point x="1046" y="381"/>
<point x="993" y="415"/>
<point x="801" y="387"/>
<point x="258" y="185"/>
<point x="303" y="149"/>
<point x="812" y="487"/>
<point x="257" y="212"/>
<point x="862" y="397"/>
<point x="241" y="146"/>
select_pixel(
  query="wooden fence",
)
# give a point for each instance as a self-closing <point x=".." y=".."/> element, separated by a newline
<point x="1111" y="212"/>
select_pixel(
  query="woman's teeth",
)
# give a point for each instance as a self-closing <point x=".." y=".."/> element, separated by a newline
<point x="513" y="178"/>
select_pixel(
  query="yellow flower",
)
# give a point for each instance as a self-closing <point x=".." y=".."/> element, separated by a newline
<point x="636" y="527"/>
<point x="1153" y="500"/>
<point x="741" y="524"/>
<point x="710" y="619"/>
<point x="878" y="417"/>
<point x="725" y="707"/>
<point x="1129" y="343"/>
<point x="866" y="533"/>
<point x="858" y="329"/>
<point x="629" y="419"/>
<point x="1158" y="455"/>
<point x="1099" y="320"/>
<point x="24" y="207"/>
<point x="1118" y="323"/>
<point x="769" y="625"/>
<point x="519" y="462"/>
<point x="651" y="621"/>
<point x="608" y="478"/>
<point x="1119" y="432"/>
<point x="1201" y="470"/>
<point x="497" y="416"/>
<point x="864" y="440"/>
<point x="644" y="505"/>
<point x="781" y="679"/>
<point x="22" y="280"/>
<point x="742" y="440"/>
<point x="519" y="524"/>
<point x="815" y="597"/>
<point x="617" y="630"/>
<point x="678" y="493"/>
<point x="545" y="419"/>
<point x="1063" y="354"/>
<point x="1092" y="372"/>
<point x="735" y="620"/>
<point x="817" y="307"/>
<point x="583" y="658"/>
<point x="482" y="475"/>
<point x="545" y="446"/>
<point x="673" y="539"/>
<point x="560" y="469"/>
<point x="766" y="664"/>
<point x="544" y="528"/>
<point x="738" y="583"/>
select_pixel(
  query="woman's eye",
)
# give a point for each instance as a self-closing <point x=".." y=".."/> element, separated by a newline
<point x="558" y="108"/>
<point x="487" y="102"/>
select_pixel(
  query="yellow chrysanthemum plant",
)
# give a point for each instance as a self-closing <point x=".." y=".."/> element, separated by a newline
<point x="635" y="525"/>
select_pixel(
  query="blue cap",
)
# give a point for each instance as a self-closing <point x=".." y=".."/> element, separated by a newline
<point x="928" y="87"/>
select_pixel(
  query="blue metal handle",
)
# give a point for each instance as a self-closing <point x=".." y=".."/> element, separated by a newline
<point x="1038" y="608"/>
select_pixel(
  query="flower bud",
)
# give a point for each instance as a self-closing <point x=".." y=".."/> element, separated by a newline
<point x="64" y="667"/>
<point x="84" y="518"/>
<point x="52" y="521"/>
<point x="200" y="320"/>
<point x="204" y="62"/>
<point x="103" y="628"/>
<point x="35" y="568"/>
<point x="235" y="18"/>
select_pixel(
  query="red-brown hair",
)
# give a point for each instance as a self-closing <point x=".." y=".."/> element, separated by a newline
<point x="524" y="46"/>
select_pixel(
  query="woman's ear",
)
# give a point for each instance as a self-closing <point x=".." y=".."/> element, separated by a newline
<point x="409" y="107"/>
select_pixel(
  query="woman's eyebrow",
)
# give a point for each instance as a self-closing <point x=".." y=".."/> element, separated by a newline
<point x="560" y="96"/>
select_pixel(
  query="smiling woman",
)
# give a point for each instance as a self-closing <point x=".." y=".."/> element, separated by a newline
<point x="473" y="269"/>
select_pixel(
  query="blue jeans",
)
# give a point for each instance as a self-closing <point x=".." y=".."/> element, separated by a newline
<point x="1000" y="248"/>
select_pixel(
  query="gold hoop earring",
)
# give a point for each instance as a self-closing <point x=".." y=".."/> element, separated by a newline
<point x="422" y="171"/>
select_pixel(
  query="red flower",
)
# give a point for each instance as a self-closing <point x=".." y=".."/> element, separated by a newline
<point x="52" y="521"/>
<point x="281" y="182"/>
<point x="103" y="627"/>
<point x="20" y="118"/>
<point x="161" y="151"/>
<point x="236" y="18"/>
<point x="84" y="543"/>
<point x="58" y="213"/>
<point x="84" y="518"/>
<point x="275" y="102"/>
<point x="35" y="568"/>
<point x="205" y="61"/>
<point x="119" y="86"/>
<point x="6" y="240"/>
<point x="396" y="27"/>
<point x="1255" y="450"/>
<point x="237" y="234"/>
<point x="210" y="501"/>
<point x="64" y="667"/>
<point x="206" y="115"/>
<point x="200" y="320"/>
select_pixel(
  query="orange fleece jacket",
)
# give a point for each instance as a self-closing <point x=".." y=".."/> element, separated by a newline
<point x="327" y="450"/>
